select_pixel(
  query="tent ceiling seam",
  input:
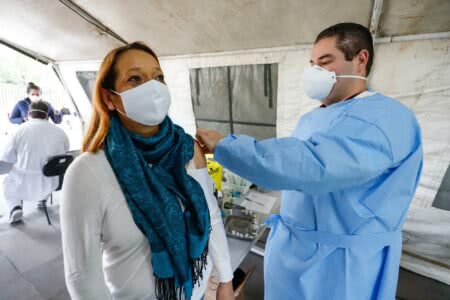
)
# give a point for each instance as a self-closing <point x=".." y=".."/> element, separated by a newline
<point x="91" y="20"/>
<point x="34" y="55"/>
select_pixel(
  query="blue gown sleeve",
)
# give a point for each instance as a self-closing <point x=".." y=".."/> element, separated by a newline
<point x="56" y="118"/>
<point x="351" y="153"/>
<point x="16" y="115"/>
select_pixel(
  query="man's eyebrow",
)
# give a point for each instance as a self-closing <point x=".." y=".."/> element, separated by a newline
<point x="326" y="56"/>
<point x="331" y="56"/>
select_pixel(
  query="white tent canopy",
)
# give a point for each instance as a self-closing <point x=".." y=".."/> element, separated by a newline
<point x="86" y="29"/>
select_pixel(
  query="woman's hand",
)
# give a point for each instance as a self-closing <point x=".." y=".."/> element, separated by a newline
<point x="225" y="291"/>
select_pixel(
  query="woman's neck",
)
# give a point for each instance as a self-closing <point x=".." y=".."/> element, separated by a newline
<point x="145" y="130"/>
<point x="138" y="128"/>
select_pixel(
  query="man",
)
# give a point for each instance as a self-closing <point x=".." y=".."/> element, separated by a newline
<point x="28" y="149"/>
<point x="348" y="175"/>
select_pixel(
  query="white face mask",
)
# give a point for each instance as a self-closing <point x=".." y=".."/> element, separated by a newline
<point x="34" y="98"/>
<point x="147" y="103"/>
<point x="318" y="82"/>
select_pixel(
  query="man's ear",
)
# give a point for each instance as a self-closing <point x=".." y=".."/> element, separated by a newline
<point x="107" y="98"/>
<point x="362" y="60"/>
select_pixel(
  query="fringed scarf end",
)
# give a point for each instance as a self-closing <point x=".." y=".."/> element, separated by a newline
<point x="165" y="289"/>
<point x="199" y="265"/>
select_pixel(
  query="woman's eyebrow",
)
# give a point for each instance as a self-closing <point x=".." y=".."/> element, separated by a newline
<point x="156" y="69"/>
<point x="134" y="69"/>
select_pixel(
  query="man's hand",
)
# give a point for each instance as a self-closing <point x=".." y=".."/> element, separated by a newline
<point x="208" y="139"/>
<point x="225" y="291"/>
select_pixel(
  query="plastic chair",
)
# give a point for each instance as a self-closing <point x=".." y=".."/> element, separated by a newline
<point x="56" y="166"/>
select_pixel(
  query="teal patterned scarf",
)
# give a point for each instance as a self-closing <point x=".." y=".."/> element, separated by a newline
<point x="152" y="174"/>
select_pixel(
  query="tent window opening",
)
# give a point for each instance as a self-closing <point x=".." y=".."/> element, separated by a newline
<point x="236" y="99"/>
<point x="442" y="199"/>
<point x="87" y="81"/>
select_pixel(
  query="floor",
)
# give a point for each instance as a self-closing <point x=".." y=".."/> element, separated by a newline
<point x="31" y="262"/>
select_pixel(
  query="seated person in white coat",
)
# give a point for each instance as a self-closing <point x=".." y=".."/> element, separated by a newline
<point x="29" y="148"/>
<point x="138" y="216"/>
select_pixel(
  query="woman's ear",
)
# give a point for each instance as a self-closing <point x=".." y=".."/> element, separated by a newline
<point x="107" y="98"/>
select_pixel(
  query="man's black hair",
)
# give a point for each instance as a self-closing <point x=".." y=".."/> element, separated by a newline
<point x="351" y="38"/>
<point x="41" y="111"/>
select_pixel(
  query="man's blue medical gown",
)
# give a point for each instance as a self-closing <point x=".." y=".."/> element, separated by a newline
<point x="348" y="175"/>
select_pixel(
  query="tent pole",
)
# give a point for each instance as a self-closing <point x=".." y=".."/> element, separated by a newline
<point x="375" y="20"/>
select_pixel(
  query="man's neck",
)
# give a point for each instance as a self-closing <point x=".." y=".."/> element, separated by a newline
<point x="351" y="93"/>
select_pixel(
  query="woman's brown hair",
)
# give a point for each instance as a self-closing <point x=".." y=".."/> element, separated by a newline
<point x="31" y="86"/>
<point x="106" y="76"/>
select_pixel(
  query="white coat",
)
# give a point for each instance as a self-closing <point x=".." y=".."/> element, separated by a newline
<point x="29" y="148"/>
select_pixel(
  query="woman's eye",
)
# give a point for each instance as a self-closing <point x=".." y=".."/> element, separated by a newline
<point x="160" y="78"/>
<point x="134" y="78"/>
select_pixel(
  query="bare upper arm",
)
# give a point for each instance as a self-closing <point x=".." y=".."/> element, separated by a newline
<point x="199" y="156"/>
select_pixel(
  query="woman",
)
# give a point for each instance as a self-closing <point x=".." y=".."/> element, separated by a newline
<point x="138" y="216"/>
<point x="19" y="113"/>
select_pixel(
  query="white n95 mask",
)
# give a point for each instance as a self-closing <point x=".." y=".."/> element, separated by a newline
<point x="318" y="82"/>
<point x="147" y="103"/>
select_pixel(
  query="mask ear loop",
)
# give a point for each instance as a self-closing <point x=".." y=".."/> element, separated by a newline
<point x="39" y="110"/>
<point x="115" y="108"/>
<point x="352" y="76"/>
<point x="334" y="75"/>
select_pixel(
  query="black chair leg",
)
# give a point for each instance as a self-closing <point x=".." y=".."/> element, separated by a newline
<point x="46" y="212"/>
